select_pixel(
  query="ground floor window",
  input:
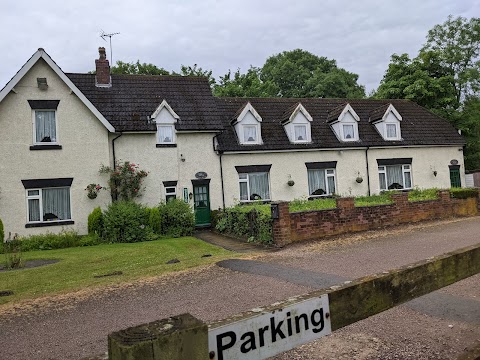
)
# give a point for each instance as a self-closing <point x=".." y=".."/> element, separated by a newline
<point x="254" y="186"/>
<point x="395" y="177"/>
<point x="170" y="193"/>
<point x="48" y="204"/>
<point x="321" y="182"/>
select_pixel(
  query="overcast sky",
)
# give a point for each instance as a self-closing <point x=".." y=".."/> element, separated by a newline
<point x="360" y="35"/>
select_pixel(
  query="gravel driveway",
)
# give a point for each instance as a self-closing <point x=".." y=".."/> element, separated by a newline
<point x="437" y="326"/>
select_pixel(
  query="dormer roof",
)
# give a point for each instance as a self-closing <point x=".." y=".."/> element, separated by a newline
<point x="337" y="113"/>
<point x="381" y="113"/>
<point x="292" y="112"/>
<point x="164" y="105"/>
<point x="242" y="111"/>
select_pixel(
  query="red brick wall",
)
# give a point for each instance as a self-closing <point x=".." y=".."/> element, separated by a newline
<point x="309" y="225"/>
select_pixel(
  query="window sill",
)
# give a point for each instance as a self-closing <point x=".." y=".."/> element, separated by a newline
<point x="50" y="223"/>
<point x="166" y="145"/>
<point x="46" y="147"/>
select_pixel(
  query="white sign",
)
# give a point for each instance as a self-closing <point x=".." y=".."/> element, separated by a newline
<point x="271" y="333"/>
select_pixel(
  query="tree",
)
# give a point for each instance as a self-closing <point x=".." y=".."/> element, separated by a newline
<point x="457" y="41"/>
<point x="242" y="85"/>
<point x="445" y="78"/>
<point x="299" y="73"/>
<point x="296" y="73"/>
<point x="197" y="71"/>
<point x="423" y="80"/>
<point x="137" y="69"/>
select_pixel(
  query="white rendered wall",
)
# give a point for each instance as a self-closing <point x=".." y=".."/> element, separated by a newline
<point x="84" y="142"/>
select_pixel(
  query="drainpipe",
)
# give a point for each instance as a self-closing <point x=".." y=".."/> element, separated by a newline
<point x="113" y="148"/>
<point x="114" y="197"/>
<point x="220" y="153"/>
<point x="368" y="172"/>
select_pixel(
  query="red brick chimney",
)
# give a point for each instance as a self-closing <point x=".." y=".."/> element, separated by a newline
<point x="102" y="77"/>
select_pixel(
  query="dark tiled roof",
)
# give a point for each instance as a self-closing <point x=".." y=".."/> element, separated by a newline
<point x="335" y="112"/>
<point x="377" y="114"/>
<point x="286" y="115"/>
<point x="132" y="98"/>
<point x="419" y="126"/>
<point x="235" y="116"/>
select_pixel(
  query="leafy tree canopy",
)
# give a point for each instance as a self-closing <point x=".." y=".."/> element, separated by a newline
<point x="445" y="78"/>
<point x="137" y="69"/>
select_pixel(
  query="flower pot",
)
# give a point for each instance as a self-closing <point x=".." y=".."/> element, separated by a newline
<point x="92" y="195"/>
<point x="359" y="179"/>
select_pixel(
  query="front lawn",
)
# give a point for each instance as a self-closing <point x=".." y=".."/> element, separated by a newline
<point x="78" y="266"/>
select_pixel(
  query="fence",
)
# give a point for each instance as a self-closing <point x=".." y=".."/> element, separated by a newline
<point x="291" y="322"/>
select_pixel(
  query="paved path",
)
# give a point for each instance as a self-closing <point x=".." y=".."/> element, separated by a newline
<point x="438" y="326"/>
<point x="227" y="242"/>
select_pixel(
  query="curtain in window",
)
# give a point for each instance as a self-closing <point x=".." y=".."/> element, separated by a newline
<point x="316" y="182"/>
<point x="408" y="180"/>
<point x="45" y="126"/>
<point x="249" y="133"/>
<point x="33" y="210"/>
<point x="394" y="176"/>
<point x="165" y="134"/>
<point x="331" y="184"/>
<point x="259" y="185"/>
<point x="348" y="132"/>
<point x="383" y="182"/>
<point x="56" y="204"/>
<point x="243" y="191"/>
<point x="391" y="131"/>
<point x="300" y="133"/>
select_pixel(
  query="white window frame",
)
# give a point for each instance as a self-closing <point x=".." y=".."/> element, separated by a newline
<point x="396" y="137"/>
<point x="246" y="141"/>
<point x="327" y="175"/>
<point x="354" y="137"/>
<point x="34" y="119"/>
<point x="406" y="168"/>
<point x="39" y="197"/>
<point x="307" y="138"/>
<point x="247" y="181"/>
<point x="170" y="194"/>
<point x="174" y="137"/>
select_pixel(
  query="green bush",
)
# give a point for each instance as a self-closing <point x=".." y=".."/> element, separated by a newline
<point x="95" y="222"/>
<point x="126" y="222"/>
<point x="176" y="218"/>
<point x="423" y="194"/>
<point x="304" y="204"/>
<point x="90" y="240"/>
<point x="463" y="193"/>
<point x="49" y="241"/>
<point x="373" y="200"/>
<point x="155" y="220"/>
<point x="253" y="222"/>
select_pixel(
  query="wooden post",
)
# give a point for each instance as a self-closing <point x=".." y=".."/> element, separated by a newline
<point x="176" y="338"/>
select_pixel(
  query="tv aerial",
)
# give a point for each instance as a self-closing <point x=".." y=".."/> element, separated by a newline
<point x="103" y="35"/>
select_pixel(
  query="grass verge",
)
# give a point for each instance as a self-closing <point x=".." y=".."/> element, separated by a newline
<point x="78" y="266"/>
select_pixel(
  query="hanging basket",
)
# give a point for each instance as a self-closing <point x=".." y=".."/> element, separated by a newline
<point x="92" y="195"/>
<point x="290" y="182"/>
<point x="359" y="179"/>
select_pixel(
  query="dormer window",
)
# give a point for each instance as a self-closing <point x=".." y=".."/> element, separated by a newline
<point x="249" y="133"/>
<point x="387" y="122"/>
<point x="344" y="122"/>
<point x="165" y="118"/>
<point x="296" y="122"/>
<point x="166" y="134"/>
<point x="247" y="125"/>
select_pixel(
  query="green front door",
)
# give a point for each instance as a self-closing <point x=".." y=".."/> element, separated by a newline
<point x="201" y="199"/>
<point x="455" y="178"/>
